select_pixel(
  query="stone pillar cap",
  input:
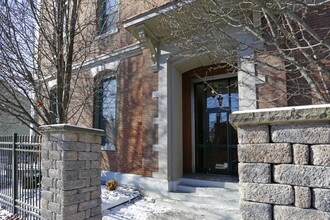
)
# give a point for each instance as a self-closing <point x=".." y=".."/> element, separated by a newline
<point x="70" y="128"/>
<point x="295" y="114"/>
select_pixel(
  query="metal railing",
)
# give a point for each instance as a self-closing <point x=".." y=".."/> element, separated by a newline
<point x="20" y="175"/>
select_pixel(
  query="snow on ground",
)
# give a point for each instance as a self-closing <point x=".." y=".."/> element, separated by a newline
<point x="116" y="197"/>
<point x="122" y="203"/>
<point x="139" y="210"/>
<point x="146" y="208"/>
<point x="4" y="214"/>
<point x="133" y="205"/>
<point x="126" y="203"/>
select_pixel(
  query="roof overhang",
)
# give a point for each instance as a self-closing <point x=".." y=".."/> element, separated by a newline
<point x="151" y="18"/>
<point x="151" y="28"/>
<point x="145" y="28"/>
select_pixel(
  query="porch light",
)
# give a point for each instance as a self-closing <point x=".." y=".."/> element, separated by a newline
<point x="220" y="100"/>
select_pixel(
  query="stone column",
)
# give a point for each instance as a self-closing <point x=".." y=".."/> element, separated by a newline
<point x="71" y="172"/>
<point x="284" y="162"/>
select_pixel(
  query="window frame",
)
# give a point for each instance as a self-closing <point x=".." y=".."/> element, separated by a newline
<point x="103" y="29"/>
<point x="98" y="111"/>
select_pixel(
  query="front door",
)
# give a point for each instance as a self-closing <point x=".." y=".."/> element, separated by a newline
<point x="216" y="139"/>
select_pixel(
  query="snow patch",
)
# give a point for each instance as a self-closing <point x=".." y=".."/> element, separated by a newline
<point x="4" y="214"/>
<point x="117" y="197"/>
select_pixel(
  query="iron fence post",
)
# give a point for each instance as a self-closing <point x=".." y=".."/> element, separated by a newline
<point x="14" y="172"/>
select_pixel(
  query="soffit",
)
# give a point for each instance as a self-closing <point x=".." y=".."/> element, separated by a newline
<point x="174" y="25"/>
<point x="173" y="20"/>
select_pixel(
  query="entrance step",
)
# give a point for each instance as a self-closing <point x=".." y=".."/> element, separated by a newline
<point x="225" y="201"/>
<point x="209" y="191"/>
<point x="214" y="193"/>
<point x="208" y="183"/>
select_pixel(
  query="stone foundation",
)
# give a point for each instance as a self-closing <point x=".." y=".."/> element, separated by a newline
<point x="284" y="163"/>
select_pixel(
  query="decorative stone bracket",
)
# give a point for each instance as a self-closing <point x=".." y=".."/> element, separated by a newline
<point x="148" y="39"/>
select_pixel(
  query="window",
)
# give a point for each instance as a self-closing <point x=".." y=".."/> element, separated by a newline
<point x="105" y="111"/>
<point x="109" y="16"/>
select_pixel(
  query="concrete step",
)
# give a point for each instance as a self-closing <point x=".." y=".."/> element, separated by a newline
<point x="223" y="201"/>
<point x="208" y="183"/>
<point x="208" y="191"/>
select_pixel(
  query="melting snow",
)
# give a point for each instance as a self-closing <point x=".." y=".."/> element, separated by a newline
<point x="122" y="203"/>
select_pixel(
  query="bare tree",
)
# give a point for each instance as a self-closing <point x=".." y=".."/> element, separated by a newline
<point x="288" y="42"/>
<point x="43" y="41"/>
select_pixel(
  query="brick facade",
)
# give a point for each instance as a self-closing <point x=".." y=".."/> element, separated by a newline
<point x="136" y="109"/>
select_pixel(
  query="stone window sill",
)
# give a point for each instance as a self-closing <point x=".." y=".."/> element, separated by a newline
<point x="107" y="34"/>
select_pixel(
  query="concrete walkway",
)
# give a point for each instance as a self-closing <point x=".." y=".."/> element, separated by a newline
<point x="192" y="201"/>
<point x="186" y="206"/>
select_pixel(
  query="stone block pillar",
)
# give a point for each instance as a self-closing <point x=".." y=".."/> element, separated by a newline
<point x="71" y="172"/>
<point x="284" y="162"/>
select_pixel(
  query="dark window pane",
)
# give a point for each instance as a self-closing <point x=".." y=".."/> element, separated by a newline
<point x="199" y="103"/>
<point x="218" y="158"/>
<point x="106" y="109"/>
<point x="234" y="136"/>
<point x="109" y="15"/>
<point x="233" y="95"/>
<point x="218" y="128"/>
<point x="215" y="138"/>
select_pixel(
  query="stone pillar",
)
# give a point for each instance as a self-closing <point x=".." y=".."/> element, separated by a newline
<point x="284" y="162"/>
<point x="71" y="172"/>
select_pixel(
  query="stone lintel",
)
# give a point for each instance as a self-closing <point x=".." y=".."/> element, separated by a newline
<point x="70" y="128"/>
<point x="297" y="114"/>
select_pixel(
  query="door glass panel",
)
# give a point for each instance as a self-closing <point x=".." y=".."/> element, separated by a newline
<point x="233" y="95"/>
<point x="234" y="139"/>
<point x="217" y="128"/>
<point x="199" y="102"/>
<point x="234" y="101"/>
<point x="215" y="138"/>
<point x="218" y="158"/>
<point x="225" y="100"/>
<point x="213" y="102"/>
<point x="214" y="88"/>
<point x="200" y="158"/>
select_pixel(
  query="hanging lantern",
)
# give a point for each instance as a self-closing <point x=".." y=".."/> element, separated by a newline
<point x="220" y="100"/>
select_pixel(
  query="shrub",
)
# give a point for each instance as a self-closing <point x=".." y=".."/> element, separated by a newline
<point x="111" y="184"/>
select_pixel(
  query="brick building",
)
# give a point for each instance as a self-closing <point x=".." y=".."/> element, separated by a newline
<point x="158" y="108"/>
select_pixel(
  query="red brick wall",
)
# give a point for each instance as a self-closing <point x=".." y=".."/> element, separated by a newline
<point x="136" y="110"/>
<point x="186" y="108"/>
<point x="272" y="93"/>
<point x="298" y="90"/>
<point x="127" y="9"/>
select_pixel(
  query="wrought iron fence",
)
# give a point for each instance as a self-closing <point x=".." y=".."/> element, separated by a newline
<point x="20" y="175"/>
